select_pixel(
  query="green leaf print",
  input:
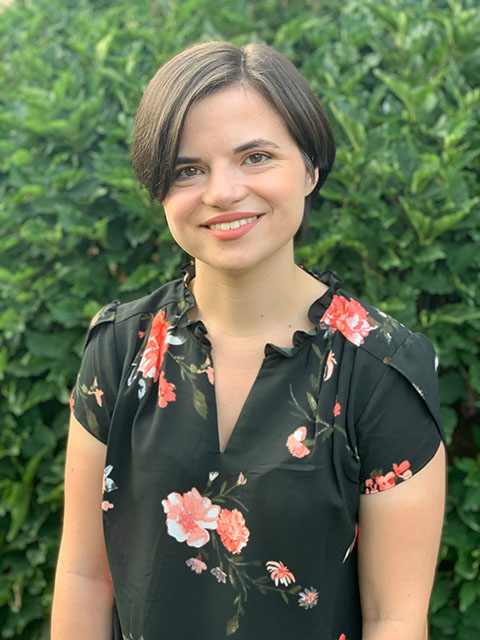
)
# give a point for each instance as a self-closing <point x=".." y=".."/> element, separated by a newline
<point x="200" y="403"/>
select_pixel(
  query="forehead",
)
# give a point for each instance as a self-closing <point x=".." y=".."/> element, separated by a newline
<point x="230" y="116"/>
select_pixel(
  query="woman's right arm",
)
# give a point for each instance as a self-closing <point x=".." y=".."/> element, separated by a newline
<point x="83" y="594"/>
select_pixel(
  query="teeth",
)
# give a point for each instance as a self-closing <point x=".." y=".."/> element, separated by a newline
<point x="225" y="226"/>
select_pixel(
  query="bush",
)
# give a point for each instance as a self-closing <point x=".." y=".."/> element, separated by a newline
<point x="399" y="220"/>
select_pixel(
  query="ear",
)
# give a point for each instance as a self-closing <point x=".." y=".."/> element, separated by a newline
<point x="310" y="183"/>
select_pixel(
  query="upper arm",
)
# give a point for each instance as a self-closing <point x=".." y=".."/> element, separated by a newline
<point x="399" y="536"/>
<point x="82" y="547"/>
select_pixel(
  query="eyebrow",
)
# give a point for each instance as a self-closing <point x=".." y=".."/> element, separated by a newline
<point x="251" y="144"/>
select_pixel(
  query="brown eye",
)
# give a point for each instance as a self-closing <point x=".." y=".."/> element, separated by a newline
<point x="186" y="172"/>
<point x="256" y="158"/>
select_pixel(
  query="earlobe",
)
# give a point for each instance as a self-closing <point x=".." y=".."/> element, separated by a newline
<point x="311" y="182"/>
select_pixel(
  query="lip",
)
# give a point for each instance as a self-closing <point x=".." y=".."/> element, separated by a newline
<point x="232" y="234"/>
<point x="231" y="217"/>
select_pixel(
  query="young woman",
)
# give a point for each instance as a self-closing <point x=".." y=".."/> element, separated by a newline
<point x="270" y="447"/>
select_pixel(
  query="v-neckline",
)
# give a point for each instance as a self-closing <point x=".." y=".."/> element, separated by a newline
<point x="239" y="420"/>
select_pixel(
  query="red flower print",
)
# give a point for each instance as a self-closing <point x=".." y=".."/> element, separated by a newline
<point x="279" y="573"/>
<point x="295" y="443"/>
<point x="350" y="318"/>
<point x="308" y="598"/>
<point x="156" y="348"/>
<point x="370" y="486"/>
<point x="166" y="392"/>
<point x="95" y="391"/>
<point x="107" y="505"/>
<point x="196" y="565"/>
<point x="331" y="362"/>
<point x="337" y="409"/>
<point x="232" y="530"/>
<point x="402" y="470"/>
<point x="189" y="516"/>
<point x="141" y="334"/>
<point x="385" y="482"/>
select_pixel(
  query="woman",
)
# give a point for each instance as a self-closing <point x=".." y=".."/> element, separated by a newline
<point x="248" y="419"/>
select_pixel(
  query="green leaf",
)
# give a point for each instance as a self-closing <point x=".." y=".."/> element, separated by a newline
<point x="232" y="625"/>
<point x="200" y="403"/>
<point x="469" y="592"/>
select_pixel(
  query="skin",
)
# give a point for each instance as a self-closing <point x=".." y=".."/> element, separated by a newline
<point x="237" y="294"/>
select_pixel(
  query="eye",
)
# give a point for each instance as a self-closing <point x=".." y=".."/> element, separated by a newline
<point x="185" y="173"/>
<point x="257" y="157"/>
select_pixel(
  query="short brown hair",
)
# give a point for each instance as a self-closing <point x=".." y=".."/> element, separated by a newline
<point x="205" y="68"/>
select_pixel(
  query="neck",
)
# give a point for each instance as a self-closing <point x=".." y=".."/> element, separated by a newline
<point x="245" y="304"/>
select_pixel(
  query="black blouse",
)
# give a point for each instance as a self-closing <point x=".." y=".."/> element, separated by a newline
<point x="257" y="542"/>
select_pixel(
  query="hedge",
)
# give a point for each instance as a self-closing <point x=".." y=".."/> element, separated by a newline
<point x="399" y="220"/>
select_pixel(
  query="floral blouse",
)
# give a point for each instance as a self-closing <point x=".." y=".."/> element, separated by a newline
<point x="258" y="542"/>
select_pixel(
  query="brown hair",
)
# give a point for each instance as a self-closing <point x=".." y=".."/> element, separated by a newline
<point x="205" y="68"/>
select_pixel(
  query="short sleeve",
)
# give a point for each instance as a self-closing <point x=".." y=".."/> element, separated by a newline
<point x="94" y="395"/>
<point x="400" y="429"/>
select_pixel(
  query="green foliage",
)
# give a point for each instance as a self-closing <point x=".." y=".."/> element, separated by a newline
<point x="399" y="218"/>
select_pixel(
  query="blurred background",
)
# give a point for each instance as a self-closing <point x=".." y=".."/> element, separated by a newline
<point x="398" y="220"/>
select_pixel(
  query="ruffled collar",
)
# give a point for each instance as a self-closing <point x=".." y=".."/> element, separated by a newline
<point x="315" y="312"/>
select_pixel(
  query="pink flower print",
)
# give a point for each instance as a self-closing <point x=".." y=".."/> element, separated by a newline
<point x="279" y="573"/>
<point x="93" y="321"/>
<point x="385" y="482"/>
<point x="108" y="483"/>
<point x="106" y="505"/>
<point x="241" y="479"/>
<point x="212" y="475"/>
<point x="308" y="598"/>
<point x="208" y="369"/>
<point x="351" y="547"/>
<point x="402" y="470"/>
<point x="232" y="530"/>
<point x="337" y="409"/>
<point x="196" y="565"/>
<point x="189" y="516"/>
<point x="220" y="575"/>
<point x="95" y="391"/>
<point x="350" y="318"/>
<point x="342" y="637"/>
<point x="141" y="334"/>
<point x="72" y="401"/>
<point x="156" y="348"/>
<point x="295" y="443"/>
<point x="418" y="390"/>
<point x="166" y="392"/>
<point x="331" y="362"/>
<point x="370" y="486"/>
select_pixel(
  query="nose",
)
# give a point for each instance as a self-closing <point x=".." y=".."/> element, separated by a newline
<point x="223" y="188"/>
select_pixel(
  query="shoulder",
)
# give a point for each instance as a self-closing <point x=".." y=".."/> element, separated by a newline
<point x="365" y="326"/>
<point x="383" y="344"/>
<point x="170" y="297"/>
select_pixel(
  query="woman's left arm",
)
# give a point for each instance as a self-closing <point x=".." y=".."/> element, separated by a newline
<point x="399" y="537"/>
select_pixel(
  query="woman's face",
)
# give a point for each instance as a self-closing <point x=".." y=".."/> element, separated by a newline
<point x="238" y="195"/>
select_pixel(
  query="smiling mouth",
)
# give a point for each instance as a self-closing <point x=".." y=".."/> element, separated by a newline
<point x="225" y="226"/>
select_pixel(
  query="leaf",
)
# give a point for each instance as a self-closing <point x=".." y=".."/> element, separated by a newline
<point x="102" y="47"/>
<point x="312" y="402"/>
<point x="232" y="625"/>
<point x="284" y="596"/>
<point x="200" y="403"/>
<point x="469" y="592"/>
